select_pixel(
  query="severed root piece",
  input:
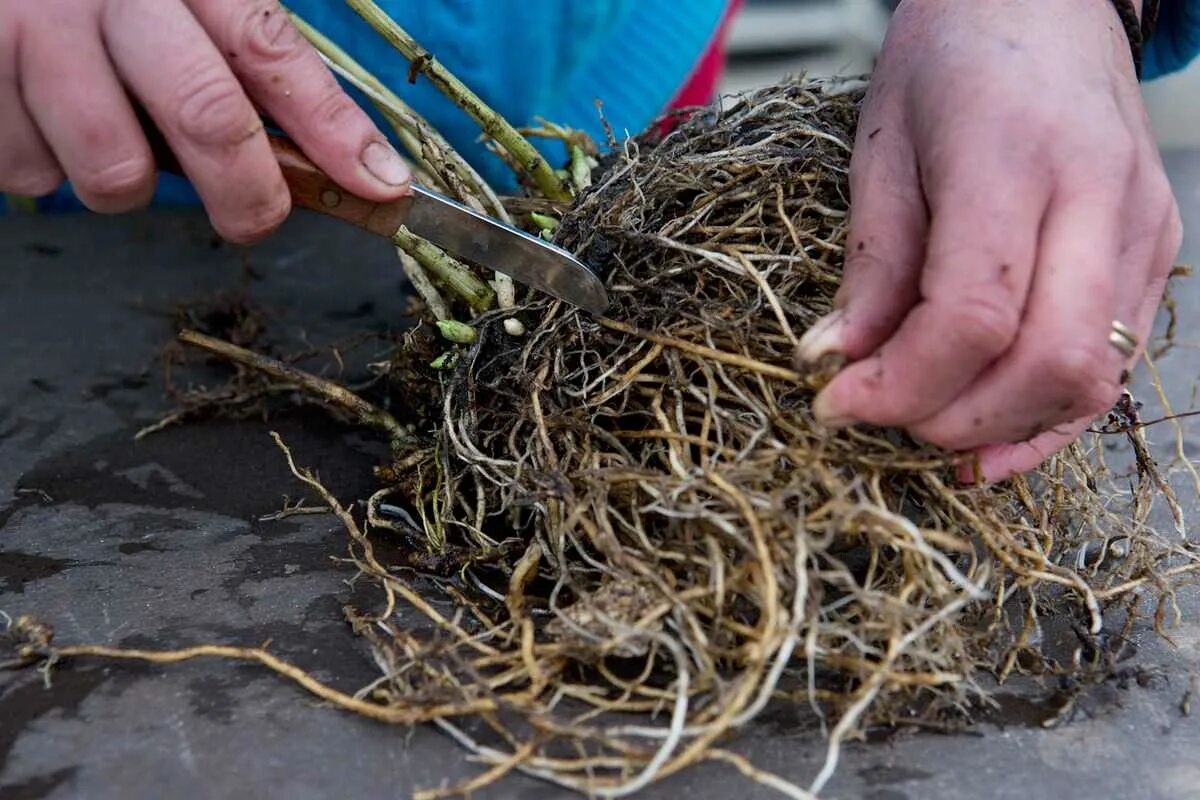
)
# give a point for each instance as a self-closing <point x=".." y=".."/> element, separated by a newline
<point x="33" y="641"/>
<point x="348" y="401"/>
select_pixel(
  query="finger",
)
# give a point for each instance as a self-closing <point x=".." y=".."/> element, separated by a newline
<point x="1062" y="366"/>
<point x="884" y="248"/>
<point x="286" y="77"/>
<point x="999" y="462"/>
<point x="1169" y="244"/>
<point x="169" y="62"/>
<point x="27" y="167"/>
<point x="88" y="124"/>
<point x="974" y="283"/>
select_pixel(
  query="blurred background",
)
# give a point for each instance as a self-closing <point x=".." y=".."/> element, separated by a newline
<point x="773" y="38"/>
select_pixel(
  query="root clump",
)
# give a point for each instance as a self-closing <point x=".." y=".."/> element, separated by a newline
<point x="645" y="538"/>
<point x="694" y="543"/>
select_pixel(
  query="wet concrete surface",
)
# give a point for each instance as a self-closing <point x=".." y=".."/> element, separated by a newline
<point x="159" y="543"/>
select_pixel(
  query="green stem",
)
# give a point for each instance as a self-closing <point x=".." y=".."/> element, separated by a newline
<point x="424" y="286"/>
<point x="426" y="145"/>
<point x="495" y="126"/>
<point x="404" y="124"/>
<point x="446" y="269"/>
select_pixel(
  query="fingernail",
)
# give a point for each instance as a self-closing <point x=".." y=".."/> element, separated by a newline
<point x="828" y="414"/>
<point x="382" y="161"/>
<point x="823" y="338"/>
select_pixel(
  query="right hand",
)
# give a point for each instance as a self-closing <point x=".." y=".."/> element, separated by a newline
<point x="200" y="68"/>
<point x="1008" y="204"/>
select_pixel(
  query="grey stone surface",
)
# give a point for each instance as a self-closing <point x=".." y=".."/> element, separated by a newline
<point x="158" y="543"/>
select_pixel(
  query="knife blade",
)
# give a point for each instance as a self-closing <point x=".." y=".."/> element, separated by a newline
<point x="488" y="242"/>
<point x="457" y="229"/>
<point x="452" y="226"/>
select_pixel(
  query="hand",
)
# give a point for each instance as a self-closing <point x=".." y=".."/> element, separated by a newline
<point x="1008" y="204"/>
<point x="68" y="67"/>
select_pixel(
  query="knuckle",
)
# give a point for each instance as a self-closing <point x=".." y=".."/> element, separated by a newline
<point x="1170" y="237"/>
<point x="263" y="33"/>
<point x="1119" y="146"/>
<point x="126" y="180"/>
<point x="1159" y="188"/>
<point x="938" y="436"/>
<point x="1174" y="231"/>
<point x="984" y="320"/>
<point x="31" y="181"/>
<point x="333" y="110"/>
<point x="1164" y="195"/>
<point x="211" y="109"/>
<point x="1102" y="161"/>
<point x="253" y="224"/>
<point x="1159" y="197"/>
<point x="1078" y="374"/>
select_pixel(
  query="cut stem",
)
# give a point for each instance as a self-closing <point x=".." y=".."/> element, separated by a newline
<point x="446" y="269"/>
<point x="526" y="156"/>
<point x="424" y="286"/>
<point x="420" y="138"/>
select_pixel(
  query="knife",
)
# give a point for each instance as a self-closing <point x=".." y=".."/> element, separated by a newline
<point x="455" y="228"/>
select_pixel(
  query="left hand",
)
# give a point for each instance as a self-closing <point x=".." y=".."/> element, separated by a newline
<point x="69" y="70"/>
<point x="1008" y="204"/>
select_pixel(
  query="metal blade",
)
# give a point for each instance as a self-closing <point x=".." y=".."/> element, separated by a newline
<point x="489" y="243"/>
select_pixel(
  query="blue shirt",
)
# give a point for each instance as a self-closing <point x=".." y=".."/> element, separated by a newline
<point x="527" y="59"/>
<point x="554" y="58"/>
<point x="1177" y="40"/>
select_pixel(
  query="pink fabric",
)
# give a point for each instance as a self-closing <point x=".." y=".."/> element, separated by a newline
<point x="701" y="87"/>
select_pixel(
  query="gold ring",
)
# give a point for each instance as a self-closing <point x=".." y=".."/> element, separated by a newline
<point x="1123" y="339"/>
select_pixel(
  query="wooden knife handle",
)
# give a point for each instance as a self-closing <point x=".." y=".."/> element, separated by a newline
<point x="310" y="187"/>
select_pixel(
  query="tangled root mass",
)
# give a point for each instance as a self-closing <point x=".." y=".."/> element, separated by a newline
<point x="689" y="540"/>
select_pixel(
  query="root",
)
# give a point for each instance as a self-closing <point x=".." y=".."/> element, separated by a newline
<point x="338" y="396"/>
<point x="33" y="644"/>
<point x="642" y="535"/>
